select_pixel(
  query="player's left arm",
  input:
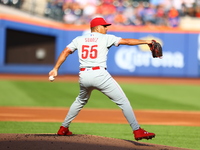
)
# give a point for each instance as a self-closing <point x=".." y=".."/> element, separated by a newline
<point x="133" y="42"/>
<point x="63" y="56"/>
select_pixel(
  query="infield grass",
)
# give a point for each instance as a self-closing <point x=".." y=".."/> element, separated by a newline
<point x="59" y="94"/>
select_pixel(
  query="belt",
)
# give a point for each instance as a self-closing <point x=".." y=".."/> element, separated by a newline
<point x="93" y="68"/>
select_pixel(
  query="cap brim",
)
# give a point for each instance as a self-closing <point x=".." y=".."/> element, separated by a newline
<point x="108" y="24"/>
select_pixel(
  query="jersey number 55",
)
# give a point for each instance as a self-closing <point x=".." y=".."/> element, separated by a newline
<point x="89" y="51"/>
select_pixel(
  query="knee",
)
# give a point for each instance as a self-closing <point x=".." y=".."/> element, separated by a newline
<point x="81" y="101"/>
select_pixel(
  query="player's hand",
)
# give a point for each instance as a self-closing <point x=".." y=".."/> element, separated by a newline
<point x="52" y="74"/>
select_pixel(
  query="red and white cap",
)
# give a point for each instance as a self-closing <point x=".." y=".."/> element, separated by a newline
<point x="98" y="21"/>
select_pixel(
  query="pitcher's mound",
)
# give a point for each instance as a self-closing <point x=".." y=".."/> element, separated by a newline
<point x="74" y="142"/>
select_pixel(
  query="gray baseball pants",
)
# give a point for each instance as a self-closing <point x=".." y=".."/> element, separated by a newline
<point x="101" y="80"/>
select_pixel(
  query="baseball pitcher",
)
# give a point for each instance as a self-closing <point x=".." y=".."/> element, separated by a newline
<point x="92" y="52"/>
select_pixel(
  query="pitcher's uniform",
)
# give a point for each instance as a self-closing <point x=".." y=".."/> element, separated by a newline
<point x="92" y="52"/>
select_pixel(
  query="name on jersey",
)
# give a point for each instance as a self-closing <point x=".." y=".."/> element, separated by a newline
<point x="91" y="39"/>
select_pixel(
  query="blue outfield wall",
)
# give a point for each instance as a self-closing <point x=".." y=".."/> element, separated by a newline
<point x="181" y="53"/>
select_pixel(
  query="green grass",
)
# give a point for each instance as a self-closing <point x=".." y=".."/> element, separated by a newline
<point x="168" y="97"/>
<point x="177" y="136"/>
<point x="58" y="94"/>
<point x="141" y="96"/>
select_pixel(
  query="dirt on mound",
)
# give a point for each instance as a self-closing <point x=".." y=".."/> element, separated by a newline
<point x="74" y="142"/>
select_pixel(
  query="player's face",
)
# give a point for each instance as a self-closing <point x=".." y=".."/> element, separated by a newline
<point x="103" y="29"/>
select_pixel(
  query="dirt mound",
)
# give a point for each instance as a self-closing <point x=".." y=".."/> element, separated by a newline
<point x="74" y="142"/>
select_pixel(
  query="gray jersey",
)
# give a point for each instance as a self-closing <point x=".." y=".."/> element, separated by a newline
<point x="93" y="48"/>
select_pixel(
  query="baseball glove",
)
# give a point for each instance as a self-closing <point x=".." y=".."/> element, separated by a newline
<point x="156" y="49"/>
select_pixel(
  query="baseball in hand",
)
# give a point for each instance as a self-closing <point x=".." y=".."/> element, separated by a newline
<point x="51" y="78"/>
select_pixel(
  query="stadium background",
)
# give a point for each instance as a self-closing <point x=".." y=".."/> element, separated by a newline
<point x="31" y="44"/>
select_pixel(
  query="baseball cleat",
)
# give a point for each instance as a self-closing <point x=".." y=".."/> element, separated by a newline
<point x="64" y="131"/>
<point x="142" y="134"/>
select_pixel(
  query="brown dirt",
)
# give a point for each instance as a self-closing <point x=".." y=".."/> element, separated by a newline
<point x="89" y="142"/>
<point x="154" y="117"/>
<point x="75" y="142"/>
<point x="120" y="79"/>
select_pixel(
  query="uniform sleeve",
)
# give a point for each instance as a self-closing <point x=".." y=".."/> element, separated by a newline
<point x="73" y="45"/>
<point x="113" y="40"/>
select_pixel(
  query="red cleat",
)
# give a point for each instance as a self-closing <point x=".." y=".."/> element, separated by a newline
<point x="64" y="131"/>
<point x="142" y="134"/>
